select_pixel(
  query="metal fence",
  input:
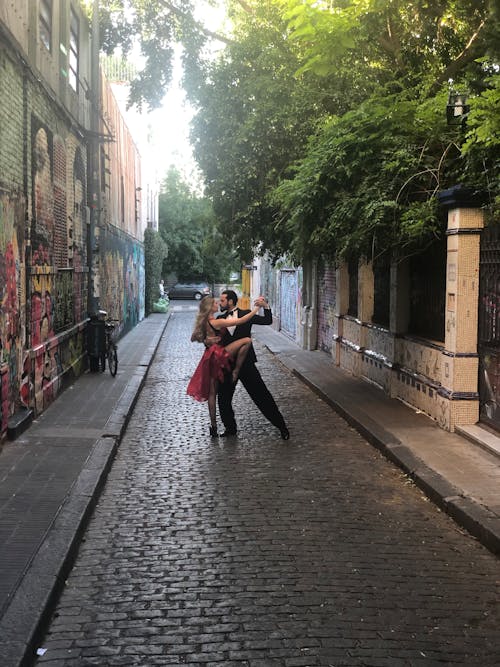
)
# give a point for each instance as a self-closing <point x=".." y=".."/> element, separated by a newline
<point x="428" y="292"/>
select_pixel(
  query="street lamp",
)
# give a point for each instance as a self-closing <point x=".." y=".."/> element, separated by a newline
<point x="457" y="109"/>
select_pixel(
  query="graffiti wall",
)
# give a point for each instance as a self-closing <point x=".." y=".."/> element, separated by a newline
<point x="57" y="278"/>
<point x="12" y="294"/>
<point x="45" y="227"/>
<point x="327" y="299"/>
<point x="42" y="274"/>
<point x="121" y="277"/>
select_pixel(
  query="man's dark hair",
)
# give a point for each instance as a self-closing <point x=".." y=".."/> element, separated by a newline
<point x="231" y="296"/>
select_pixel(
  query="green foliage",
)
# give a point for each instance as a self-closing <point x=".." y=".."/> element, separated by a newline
<point x="321" y="129"/>
<point x="369" y="177"/>
<point x="155" y="251"/>
<point x="364" y="178"/>
<point x="155" y="26"/>
<point x="253" y="120"/>
<point x="197" y="249"/>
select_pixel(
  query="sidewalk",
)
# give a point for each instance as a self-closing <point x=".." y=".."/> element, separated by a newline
<point x="462" y="477"/>
<point x="51" y="476"/>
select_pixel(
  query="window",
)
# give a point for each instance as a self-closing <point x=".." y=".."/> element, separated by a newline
<point x="45" y="23"/>
<point x="74" y="49"/>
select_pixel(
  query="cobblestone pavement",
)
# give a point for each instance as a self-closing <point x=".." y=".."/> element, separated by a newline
<point x="258" y="552"/>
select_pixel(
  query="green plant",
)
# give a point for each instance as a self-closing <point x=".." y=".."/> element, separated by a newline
<point x="155" y="251"/>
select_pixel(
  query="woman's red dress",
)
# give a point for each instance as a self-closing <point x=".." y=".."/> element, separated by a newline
<point x="214" y="362"/>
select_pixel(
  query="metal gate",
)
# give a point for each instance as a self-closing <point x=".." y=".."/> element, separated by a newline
<point x="288" y="302"/>
<point x="489" y="326"/>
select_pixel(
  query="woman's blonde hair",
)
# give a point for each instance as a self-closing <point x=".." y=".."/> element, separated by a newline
<point x="200" y="324"/>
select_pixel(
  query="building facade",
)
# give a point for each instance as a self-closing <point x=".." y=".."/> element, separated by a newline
<point x="53" y="261"/>
<point x="425" y="329"/>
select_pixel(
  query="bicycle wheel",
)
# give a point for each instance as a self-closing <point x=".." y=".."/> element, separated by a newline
<point x="112" y="359"/>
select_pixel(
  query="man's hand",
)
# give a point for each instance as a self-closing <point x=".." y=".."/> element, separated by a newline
<point x="261" y="302"/>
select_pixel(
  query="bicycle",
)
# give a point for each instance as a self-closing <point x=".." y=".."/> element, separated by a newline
<point x="101" y="344"/>
<point x="111" y="351"/>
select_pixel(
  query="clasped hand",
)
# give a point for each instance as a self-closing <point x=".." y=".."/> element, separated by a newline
<point x="260" y="302"/>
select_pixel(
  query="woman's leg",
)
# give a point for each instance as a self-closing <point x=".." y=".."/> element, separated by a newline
<point x="212" y="406"/>
<point x="238" y="350"/>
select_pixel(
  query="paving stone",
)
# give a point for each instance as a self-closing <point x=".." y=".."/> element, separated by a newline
<point x="255" y="551"/>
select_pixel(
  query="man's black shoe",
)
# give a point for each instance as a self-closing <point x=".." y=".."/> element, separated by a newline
<point x="228" y="433"/>
<point x="285" y="433"/>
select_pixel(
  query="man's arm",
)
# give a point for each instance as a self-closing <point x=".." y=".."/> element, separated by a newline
<point x="267" y="317"/>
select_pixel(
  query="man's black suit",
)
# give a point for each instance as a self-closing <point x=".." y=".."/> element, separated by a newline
<point x="250" y="378"/>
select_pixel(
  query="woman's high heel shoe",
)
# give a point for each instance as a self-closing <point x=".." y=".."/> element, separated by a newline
<point x="213" y="431"/>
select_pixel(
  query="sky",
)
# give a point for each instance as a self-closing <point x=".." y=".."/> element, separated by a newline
<point x="170" y="123"/>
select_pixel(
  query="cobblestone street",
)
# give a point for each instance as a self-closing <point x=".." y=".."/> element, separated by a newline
<point x="254" y="551"/>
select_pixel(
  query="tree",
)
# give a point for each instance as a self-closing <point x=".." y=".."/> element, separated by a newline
<point x="197" y="250"/>
<point x="253" y="120"/>
<point x="155" y="26"/>
<point x="368" y="180"/>
<point x="320" y="126"/>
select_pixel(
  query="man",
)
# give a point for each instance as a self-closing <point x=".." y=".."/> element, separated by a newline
<point x="249" y="375"/>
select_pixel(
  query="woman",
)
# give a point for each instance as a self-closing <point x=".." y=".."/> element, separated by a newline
<point x="216" y="359"/>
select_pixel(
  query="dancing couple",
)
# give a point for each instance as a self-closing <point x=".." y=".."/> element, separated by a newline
<point x="229" y="356"/>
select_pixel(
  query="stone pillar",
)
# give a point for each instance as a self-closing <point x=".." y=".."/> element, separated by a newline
<point x="365" y="292"/>
<point x="459" y="391"/>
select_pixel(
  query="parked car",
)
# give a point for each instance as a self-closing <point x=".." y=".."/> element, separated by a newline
<point x="188" y="291"/>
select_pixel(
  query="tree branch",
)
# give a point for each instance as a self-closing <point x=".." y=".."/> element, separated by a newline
<point x="244" y="5"/>
<point x="391" y="43"/>
<point x="466" y="56"/>
<point x="178" y="12"/>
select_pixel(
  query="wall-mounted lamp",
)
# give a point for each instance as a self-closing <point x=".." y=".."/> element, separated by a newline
<point x="457" y="109"/>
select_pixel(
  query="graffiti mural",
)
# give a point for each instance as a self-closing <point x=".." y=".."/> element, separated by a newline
<point x="122" y="278"/>
<point x="57" y="277"/>
<point x="43" y="196"/>
<point x="327" y="295"/>
<point x="12" y="292"/>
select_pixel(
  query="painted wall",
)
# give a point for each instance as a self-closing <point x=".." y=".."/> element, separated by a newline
<point x="43" y="239"/>
<point x="56" y="259"/>
<point x="327" y="297"/>
<point x="44" y="217"/>
<point x="122" y="278"/>
<point x="121" y="272"/>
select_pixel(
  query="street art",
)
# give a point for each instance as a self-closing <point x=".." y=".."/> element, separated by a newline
<point x="56" y="283"/>
<point x="327" y="296"/>
<point x="122" y="278"/>
<point x="12" y="314"/>
<point x="44" y="274"/>
<point x="43" y="195"/>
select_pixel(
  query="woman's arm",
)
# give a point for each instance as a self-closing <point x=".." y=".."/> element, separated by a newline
<point x="221" y="323"/>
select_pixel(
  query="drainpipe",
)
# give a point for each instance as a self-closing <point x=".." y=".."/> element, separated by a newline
<point x="94" y="190"/>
